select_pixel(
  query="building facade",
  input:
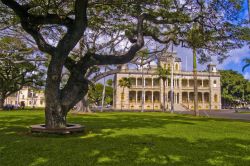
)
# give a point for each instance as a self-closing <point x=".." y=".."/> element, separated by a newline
<point x="209" y="87"/>
<point x="30" y="97"/>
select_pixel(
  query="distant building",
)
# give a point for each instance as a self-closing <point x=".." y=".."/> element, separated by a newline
<point x="29" y="96"/>
<point x="209" y="87"/>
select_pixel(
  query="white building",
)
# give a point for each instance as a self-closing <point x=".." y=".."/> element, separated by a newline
<point x="209" y="87"/>
<point x="30" y="97"/>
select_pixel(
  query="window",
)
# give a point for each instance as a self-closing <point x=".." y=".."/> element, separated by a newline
<point x="215" y="98"/>
<point x="215" y="83"/>
<point x="176" y="67"/>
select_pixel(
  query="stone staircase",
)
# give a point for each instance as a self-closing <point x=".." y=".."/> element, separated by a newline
<point x="179" y="107"/>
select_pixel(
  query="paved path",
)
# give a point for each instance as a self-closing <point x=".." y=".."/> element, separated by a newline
<point x="227" y="114"/>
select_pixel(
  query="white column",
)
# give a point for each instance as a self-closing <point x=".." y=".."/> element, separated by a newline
<point x="152" y="97"/>
<point x="136" y="96"/>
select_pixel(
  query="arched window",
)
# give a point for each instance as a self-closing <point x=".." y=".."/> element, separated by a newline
<point x="176" y="67"/>
<point x="215" y="83"/>
<point x="215" y="98"/>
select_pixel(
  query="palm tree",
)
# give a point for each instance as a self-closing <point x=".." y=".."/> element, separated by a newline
<point x="196" y="39"/>
<point x="247" y="61"/>
<point x="163" y="75"/>
<point x="124" y="83"/>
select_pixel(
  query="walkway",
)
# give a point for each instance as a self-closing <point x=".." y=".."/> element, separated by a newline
<point x="227" y="114"/>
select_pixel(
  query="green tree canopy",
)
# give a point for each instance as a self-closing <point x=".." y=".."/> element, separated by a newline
<point x="163" y="73"/>
<point x="234" y="87"/>
<point x="95" y="94"/>
<point x="15" y="71"/>
<point x="125" y="82"/>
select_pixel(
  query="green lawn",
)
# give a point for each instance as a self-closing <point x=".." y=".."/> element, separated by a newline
<point x="126" y="139"/>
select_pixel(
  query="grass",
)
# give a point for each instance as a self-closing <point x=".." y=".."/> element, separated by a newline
<point x="126" y="139"/>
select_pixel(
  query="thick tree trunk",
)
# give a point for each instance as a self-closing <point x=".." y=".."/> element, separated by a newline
<point x="2" y="102"/>
<point x="55" y="114"/>
<point x="83" y="105"/>
<point x="195" y="84"/>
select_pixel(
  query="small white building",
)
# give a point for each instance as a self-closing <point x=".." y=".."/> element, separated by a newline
<point x="30" y="97"/>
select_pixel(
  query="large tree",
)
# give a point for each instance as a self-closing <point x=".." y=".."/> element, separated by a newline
<point x="234" y="88"/>
<point x="95" y="94"/>
<point x="58" y="25"/>
<point x="16" y="71"/>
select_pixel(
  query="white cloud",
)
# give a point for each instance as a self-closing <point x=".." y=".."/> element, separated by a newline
<point x="247" y="75"/>
<point x="236" y="57"/>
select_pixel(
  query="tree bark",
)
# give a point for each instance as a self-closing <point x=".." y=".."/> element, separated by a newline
<point x="196" y="111"/>
<point x="2" y="102"/>
<point x="55" y="115"/>
<point x="83" y="105"/>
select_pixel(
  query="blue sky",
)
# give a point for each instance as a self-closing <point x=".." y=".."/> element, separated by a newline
<point x="234" y="62"/>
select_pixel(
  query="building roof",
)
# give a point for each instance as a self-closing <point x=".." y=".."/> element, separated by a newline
<point x="167" y="56"/>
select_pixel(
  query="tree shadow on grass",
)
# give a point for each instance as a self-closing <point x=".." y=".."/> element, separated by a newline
<point x="133" y="121"/>
<point x="134" y="145"/>
<point x="145" y="150"/>
<point x="12" y="124"/>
